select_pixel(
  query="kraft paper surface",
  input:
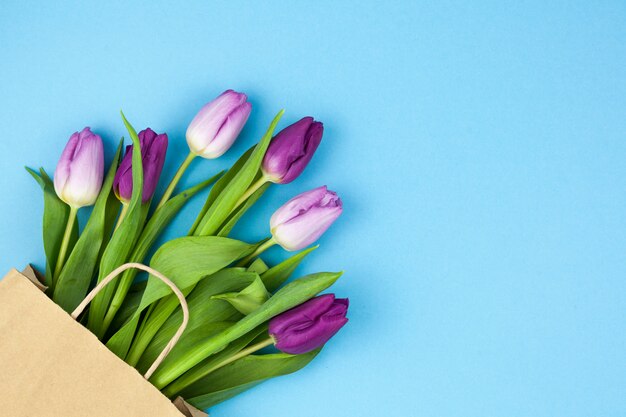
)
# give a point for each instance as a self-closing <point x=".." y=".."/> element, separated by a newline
<point x="50" y="365"/>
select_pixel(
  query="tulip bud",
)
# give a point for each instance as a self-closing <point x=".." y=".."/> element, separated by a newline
<point x="304" y="218"/>
<point x="291" y="150"/>
<point x="153" y="149"/>
<point x="78" y="176"/>
<point x="216" y="126"/>
<point x="310" y="325"/>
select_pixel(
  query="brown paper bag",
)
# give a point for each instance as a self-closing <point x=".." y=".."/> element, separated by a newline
<point x="50" y="365"/>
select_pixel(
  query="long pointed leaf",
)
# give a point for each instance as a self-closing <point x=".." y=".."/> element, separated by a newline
<point x="218" y="188"/>
<point x="232" y="220"/>
<point x="276" y="276"/>
<point x="55" y="215"/>
<point x="242" y="375"/>
<point x="119" y="248"/>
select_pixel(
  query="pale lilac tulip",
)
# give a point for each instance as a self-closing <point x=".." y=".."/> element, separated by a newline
<point x="310" y="325"/>
<point x="216" y="126"/>
<point x="304" y="218"/>
<point x="291" y="150"/>
<point x="79" y="173"/>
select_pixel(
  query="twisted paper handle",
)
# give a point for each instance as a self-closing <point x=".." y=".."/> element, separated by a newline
<point x="157" y="274"/>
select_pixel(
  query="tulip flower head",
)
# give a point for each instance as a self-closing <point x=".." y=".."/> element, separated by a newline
<point x="153" y="149"/>
<point x="304" y="218"/>
<point x="216" y="126"/>
<point x="291" y="150"/>
<point x="310" y="325"/>
<point x="78" y="175"/>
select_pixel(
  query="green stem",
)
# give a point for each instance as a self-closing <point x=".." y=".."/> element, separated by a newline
<point x="65" y="242"/>
<point x="253" y="188"/>
<point x="262" y="248"/>
<point x="181" y="170"/>
<point x="182" y="383"/>
<point x="121" y="216"/>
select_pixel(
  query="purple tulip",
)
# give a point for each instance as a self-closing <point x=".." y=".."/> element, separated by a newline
<point x="291" y="150"/>
<point x="310" y="325"/>
<point x="216" y="126"/>
<point x="304" y="218"/>
<point x="153" y="149"/>
<point x="78" y="176"/>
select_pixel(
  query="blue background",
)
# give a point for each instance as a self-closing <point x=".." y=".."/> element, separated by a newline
<point x="479" y="149"/>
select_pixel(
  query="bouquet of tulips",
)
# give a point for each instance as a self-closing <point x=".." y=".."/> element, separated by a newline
<point x="238" y="306"/>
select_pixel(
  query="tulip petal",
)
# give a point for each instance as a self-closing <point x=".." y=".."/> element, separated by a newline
<point x="303" y="219"/>
<point x="286" y="147"/>
<point x="228" y="132"/>
<point x="210" y="120"/>
<point x="310" y="325"/>
<point x="312" y="308"/>
<point x="306" y="228"/>
<point x="81" y="169"/>
<point x="153" y="150"/>
<point x="297" y="205"/>
<point x="312" y="140"/>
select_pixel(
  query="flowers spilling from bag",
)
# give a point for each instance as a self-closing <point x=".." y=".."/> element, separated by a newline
<point x="239" y="306"/>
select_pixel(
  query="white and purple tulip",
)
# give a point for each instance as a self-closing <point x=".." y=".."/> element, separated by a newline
<point x="304" y="218"/>
<point x="216" y="126"/>
<point x="78" y="175"/>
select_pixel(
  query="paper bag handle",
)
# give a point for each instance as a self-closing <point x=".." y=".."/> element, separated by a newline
<point x="157" y="274"/>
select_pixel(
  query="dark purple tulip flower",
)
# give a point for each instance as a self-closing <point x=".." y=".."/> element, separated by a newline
<point x="153" y="149"/>
<point x="310" y="325"/>
<point x="291" y="150"/>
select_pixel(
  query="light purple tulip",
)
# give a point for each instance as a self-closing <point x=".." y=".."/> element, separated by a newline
<point x="153" y="149"/>
<point x="217" y="125"/>
<point x="304" y="218"/>
<point x="291" y="150"/>
<point x="78" y="176"/>
<point x="310" y="325"/>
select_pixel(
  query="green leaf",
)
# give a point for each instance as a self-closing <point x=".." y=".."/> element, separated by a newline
<point x="232" y="220"/>
<point x="258" y="266"/>
<point x="79" y="269"/>
<point x="153" y="229"/>
<point x="242" y="375"/>
<point x="131" y="302"/>
<point x="202" y="310"/>
<point x="185" y="261"/>
<point x="124" y="237"/>
<point x="55" y="216"/>
<point x="248" y="299"/>
<point x="218" y="188"/>
<point x="291" y="295"/>
<point x="225" y="203"/>
<point x="209" y="365"/>
<point x="276" y="276"/>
